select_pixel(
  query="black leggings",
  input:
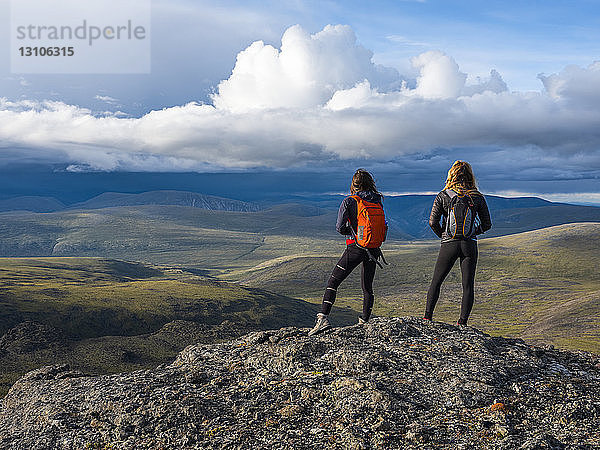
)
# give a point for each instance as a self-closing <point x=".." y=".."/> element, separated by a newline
<point x="351" y="258"/>
<point x="449" y="253"/>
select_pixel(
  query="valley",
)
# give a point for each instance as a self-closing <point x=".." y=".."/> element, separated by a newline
<point x="105" y="316"/>
<point x="123" y="282"/>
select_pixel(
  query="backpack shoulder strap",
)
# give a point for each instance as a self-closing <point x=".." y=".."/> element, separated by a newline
<point x="472" y="202"/>
<point x="358" y="201"/>
<point x="450" y="193"/>
<point x="453" y="197"/>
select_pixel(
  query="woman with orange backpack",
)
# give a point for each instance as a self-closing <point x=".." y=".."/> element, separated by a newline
<point x="465" y="215"/>
<point x="361" y="218"/>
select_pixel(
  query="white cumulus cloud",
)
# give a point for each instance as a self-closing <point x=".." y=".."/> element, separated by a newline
<point x="320" y="98"/>
<point x="306" y="71"/>
<point x="440" y="76"/>
<point x="575" y="84"/>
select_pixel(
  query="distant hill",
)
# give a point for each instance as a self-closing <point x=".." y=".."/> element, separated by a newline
<point x="172" y="235"/>
<point x="408" y="215"/>
<point x="172" y="227"/>
<point x="519" y="219"/>
<point x="31" y="203"/>
<point x="166" y="197"/>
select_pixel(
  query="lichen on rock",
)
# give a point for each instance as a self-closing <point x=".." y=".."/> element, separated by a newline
<point x="393" y="383"/>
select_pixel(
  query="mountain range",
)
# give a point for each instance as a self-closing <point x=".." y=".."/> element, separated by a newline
<point x="131" y="224"/>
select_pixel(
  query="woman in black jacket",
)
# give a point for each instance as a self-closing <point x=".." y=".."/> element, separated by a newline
<point x="362" y="186"/>
<point x="460" y="184"/>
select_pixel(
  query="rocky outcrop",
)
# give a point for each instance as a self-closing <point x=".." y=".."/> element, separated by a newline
<point x="394" y="383"/>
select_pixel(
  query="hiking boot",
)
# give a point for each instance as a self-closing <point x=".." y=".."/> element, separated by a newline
<point x="428" y="319"/>
<point x="322" y="324"/>
<point x="362" y="321"/>
<point x="460" y="324"/>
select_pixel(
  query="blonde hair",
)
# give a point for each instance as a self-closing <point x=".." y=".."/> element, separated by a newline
<point x="461" y="178"/>
<point x="362" y="181"/>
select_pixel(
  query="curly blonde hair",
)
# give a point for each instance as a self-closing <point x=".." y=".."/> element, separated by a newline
<point x="461" y="178"/>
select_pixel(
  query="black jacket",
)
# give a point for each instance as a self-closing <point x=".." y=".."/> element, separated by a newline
<point x="440" y="208"/>
<point x="349" y="211"/>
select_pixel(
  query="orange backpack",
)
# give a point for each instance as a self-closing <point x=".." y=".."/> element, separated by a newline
<point x="372" y="227"/>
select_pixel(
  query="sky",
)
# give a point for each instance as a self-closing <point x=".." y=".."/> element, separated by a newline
<point x="395" y="86"/>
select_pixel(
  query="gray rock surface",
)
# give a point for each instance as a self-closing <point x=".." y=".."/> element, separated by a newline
<point x="394" y="383"/>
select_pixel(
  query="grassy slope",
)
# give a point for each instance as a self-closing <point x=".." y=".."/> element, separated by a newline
<point x="91" y="297"/>
<point x="518" y="220"/>
<point x="169" y="235"/>
<point x="109" y="312"/>
<point x="541" y="285"/>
